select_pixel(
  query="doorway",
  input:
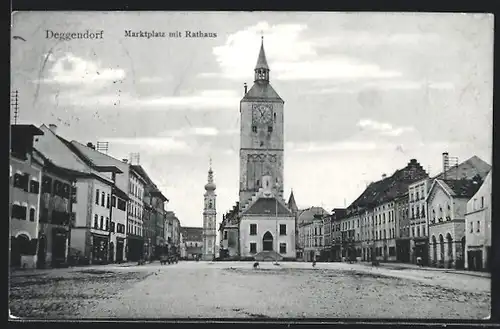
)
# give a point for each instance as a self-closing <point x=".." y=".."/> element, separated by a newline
<point x="267" y="241"/>
<point x="111" y="252"/>
<point x="59" y="247"/>
<point x="119" y="251"/>
<point x="42" y="252"/>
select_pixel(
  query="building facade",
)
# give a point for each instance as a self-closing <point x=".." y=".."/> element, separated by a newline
<point x="209" y="218"/>
<point x="229" y="234"/>
<point x="90" y="234"/>
<point x="336" y="236"/>
<point x="478" y="228"/>
<point x="266" y="224"/>
<point x="192" y="243"/>
<point x="58" y="195"/>
<point x="24" y="193"/>
<point x="311" y="233"/>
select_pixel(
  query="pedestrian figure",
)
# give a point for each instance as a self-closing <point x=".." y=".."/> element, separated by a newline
<point x="419" y="261"/>
<point x="256" y="265"/>
<point x="314" y="263"/>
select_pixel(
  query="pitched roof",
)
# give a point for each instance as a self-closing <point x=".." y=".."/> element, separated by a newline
<point x="264" y="206"/>
<point x="192" y="233"/>
<point x="262" y="91"/>
<point x="307" y="215"/>
<point x="97" y="158"/>
<point x="467" y="169"/>
<point x="391" y="187"/>
<point x="465" y="188"/>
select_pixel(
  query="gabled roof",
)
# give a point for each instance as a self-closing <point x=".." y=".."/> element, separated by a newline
<point x="461" y="188"/>
<point x="262" y="91"/>
<point x="467" y="169"/>
<point x="391" y="187"/>
<point x="268" y="206"/>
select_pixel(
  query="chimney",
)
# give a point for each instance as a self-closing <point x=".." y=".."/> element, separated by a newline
<point x="446" y="163"/>
<point x="125" y="160"/>
<point x="245" y="87"/>
<point x="53" y="128"/>
<point x="89" y="144"/>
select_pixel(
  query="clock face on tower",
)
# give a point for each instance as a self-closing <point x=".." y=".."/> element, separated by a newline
<point x="262" y="113"/>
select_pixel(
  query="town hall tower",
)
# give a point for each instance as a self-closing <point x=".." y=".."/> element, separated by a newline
<point x="266" y="225"/>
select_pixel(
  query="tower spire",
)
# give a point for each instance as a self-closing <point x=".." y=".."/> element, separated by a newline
<point x="210" y="186"/>
<point x="261" y="68"/>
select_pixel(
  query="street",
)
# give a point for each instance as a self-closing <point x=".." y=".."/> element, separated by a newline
<point x="236" y="290"/>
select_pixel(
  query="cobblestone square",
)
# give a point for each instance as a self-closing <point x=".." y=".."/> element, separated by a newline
<point x="236" y="290"/>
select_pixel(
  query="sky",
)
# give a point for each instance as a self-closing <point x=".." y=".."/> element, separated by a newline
<point x="364" y="93"/>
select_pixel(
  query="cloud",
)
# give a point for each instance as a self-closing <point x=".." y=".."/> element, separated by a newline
<point x="367" y="39"/>
<point x="208" y="99"/>
<point x="163" y="144"/>
<point x="383" y="128"/>
<point x="313" y="147"/>
<point x="290" y="56"/>
<point x="154" y="79"/>
<point x="384" y="85"/>
<point x="192" y="131"/>
<point x="71" y="69"/>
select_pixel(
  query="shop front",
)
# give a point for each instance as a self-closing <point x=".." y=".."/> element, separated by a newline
<point x="403" y="250"/>
<point x="421" y="250"/>
<point x="120" y="248"/>
<point x="99" y="249"/>
<point x="135" y="248"/>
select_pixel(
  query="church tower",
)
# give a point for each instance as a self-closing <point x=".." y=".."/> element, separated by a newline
<point x="261" y="134"/>
<point x="209" y="217"/>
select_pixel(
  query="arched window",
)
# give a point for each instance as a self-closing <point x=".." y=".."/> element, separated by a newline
<point x="32" y="214"/>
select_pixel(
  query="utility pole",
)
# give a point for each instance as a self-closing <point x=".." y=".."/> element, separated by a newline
<point x="14" y="97"/>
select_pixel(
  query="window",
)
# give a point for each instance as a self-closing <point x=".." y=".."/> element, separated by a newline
<point x="121" y="204"/>
<point x="482" y="202"/>
<point x="108" y="201"/>
<point x="97" y="196"/>
<point x="107" y="223"/>
<point x="46" y="185"/>
<point x="385" y="236"/>
<point x="18" y="212"/>
<point x="20" y="181"/>
<point x="32" y="214"/>
<point x="282" y="248"/>
<point x="423" y="230"/>
<point x="113" y="201"/>
<point x="383" y="216"/>
<point x="478" y="223"/>
<point x="418" y="231"/>
<point x="103" y="197"/>
<point x="254" y="129"/>
<point x="96" y="221"/>
<point x="423" y="212"/>
<point x="225" y="235"/>
<point x="102" y="223"/>
<point x="269" y="129"/>
<point x="34" y="187"/>
<point x="471" y="227"/>
<point x="253" y="247"/>
<point x="282" y="229"/>
<point x="253" y="229"/>
<point x="413" y="231"/>
<point x="358" y="223"/>
<point x="73" y="194"/>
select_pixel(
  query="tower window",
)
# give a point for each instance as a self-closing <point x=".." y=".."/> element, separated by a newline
<point x="274" y="116"/>
<point x="270" y="129"/>
<point x="261" y="143"/>
<point x="254" y="129"/>
<point x="258" y="183"/>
